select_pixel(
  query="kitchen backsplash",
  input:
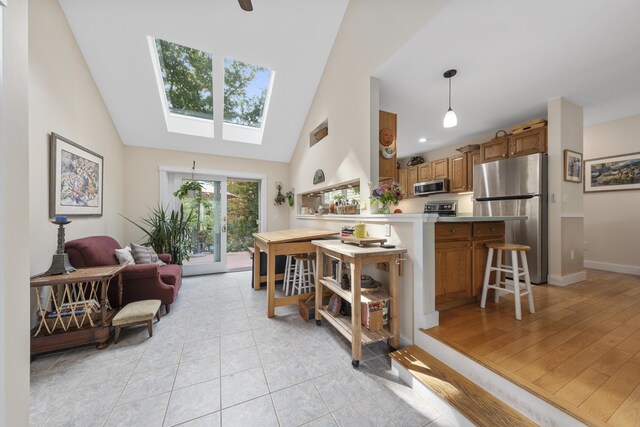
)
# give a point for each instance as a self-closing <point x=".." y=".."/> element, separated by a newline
<point x="416" y="204"/>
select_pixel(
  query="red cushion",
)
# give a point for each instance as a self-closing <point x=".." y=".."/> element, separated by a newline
<point x="170" y="273"/>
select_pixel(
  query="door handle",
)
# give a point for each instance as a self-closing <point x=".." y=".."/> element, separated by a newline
<point x="224" y="228"/>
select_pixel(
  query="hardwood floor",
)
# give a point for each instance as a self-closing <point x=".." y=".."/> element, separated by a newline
<point x="580" y="350"/>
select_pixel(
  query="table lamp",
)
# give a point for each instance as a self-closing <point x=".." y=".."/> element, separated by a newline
<point x="60" y="263"/>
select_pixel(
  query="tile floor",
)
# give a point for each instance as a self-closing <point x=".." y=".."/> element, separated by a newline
<point x="216" y="359"/>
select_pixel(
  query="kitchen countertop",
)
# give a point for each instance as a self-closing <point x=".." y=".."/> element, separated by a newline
<point x="472" y="218"/>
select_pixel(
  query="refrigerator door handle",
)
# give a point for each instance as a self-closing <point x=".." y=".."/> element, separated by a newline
<point x="520" y="197"/>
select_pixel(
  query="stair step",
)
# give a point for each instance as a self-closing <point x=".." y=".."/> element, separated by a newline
<point x="476" y="404"/>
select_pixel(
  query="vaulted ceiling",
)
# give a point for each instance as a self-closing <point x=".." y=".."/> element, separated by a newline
<point x="512" y="57"/>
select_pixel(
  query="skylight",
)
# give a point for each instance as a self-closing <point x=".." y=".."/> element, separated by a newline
<point x="185" y="82"/>
<point x="187" y="79"/>
<point x="245" y="92"/>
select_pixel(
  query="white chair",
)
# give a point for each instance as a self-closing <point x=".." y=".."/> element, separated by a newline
<point x="289" y="273"/>
<point x="304" y="275"/>
<point x="517" y="288"/>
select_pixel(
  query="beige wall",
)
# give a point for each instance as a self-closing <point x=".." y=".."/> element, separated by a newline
<point x="14" y="204"/>
<point x="141" y="170"/>
<point x="64" y="99"/>
<point x="565" y="212"/>
<point x="612" y="233"/>
<point x="347" y="96"/>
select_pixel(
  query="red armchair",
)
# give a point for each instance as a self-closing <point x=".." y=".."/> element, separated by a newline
<point x="139" y="281"/>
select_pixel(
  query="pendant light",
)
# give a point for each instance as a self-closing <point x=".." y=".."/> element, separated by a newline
<point x="450" y="119"/>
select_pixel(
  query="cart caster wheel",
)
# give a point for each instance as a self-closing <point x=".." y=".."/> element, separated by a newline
<point x="319" y="322"/>
<point x="355" y="363"/>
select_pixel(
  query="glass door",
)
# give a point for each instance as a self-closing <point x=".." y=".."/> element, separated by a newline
<point x="207" y="225"/>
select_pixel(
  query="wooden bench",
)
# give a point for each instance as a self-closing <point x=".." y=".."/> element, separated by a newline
<point x="137" y="312"/>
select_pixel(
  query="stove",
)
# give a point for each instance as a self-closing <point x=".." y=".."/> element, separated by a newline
<point x="442" y="208"/>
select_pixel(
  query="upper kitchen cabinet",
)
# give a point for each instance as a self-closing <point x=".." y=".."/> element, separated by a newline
<point x="387" y="147"/>
<point x="402" y="180"/>
<point x="440" y="169"/>
<point x="424" y="172"/>
<point x="526" y="139"/>
<point x="412" y="178"/>
<point x="458" y="173"/>
<point x="473" y="158"/>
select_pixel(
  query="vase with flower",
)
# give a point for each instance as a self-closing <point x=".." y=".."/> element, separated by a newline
<point x="385" y="195"/>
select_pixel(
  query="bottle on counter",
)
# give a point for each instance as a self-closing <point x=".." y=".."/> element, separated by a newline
<point x="331" y="207"/>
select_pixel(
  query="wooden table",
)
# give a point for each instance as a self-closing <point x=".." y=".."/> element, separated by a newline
<point x="55" y="331"/>
<point x="358" y="256"/>
<point x="283" y="242"/>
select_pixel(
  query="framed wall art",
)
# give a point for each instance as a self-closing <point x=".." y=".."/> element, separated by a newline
<point x="612" y="173"/>
<point x="572" y="166"/>
<point x="75" y="179"/>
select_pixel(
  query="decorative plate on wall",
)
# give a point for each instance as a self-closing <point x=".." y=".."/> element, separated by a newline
<point x="318" y="177"/>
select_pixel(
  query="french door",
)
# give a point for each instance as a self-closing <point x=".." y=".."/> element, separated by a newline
<point x="208" y="224"/>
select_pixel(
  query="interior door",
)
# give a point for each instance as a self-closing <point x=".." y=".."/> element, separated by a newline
<point x="208" y="251"/>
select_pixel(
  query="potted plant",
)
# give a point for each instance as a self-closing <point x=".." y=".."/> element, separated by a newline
<point x="280" y="199"/>
<point x="190" y="188"/>
<point x="168" y="232"/>
<point x="385" y="195"/>
<point x="290" y="197"/>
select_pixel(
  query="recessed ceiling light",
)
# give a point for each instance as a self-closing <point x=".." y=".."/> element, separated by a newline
<point x="422" y="140"/>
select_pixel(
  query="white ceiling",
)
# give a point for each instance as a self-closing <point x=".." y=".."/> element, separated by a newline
<point x="512" y="57"/>
<point x="291" y="37"/>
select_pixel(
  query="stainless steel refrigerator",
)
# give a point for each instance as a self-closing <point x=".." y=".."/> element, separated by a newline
<point x="517" y="186"/>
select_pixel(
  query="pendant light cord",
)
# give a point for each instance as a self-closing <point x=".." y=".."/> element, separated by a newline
<point x="449" y="93"/>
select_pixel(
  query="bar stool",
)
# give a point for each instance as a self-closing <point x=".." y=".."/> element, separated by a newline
<point x="289" y="273"/>
<point x="304" y="275"/>
<point x="515" y="270"/>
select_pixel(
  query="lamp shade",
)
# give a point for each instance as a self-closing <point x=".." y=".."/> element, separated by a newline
<point x="450" y="119"/>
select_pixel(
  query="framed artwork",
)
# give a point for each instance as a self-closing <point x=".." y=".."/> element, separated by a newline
<point x="612" y="173"/>
<point x="75" y="179"/>
<point x="572" y="166"/>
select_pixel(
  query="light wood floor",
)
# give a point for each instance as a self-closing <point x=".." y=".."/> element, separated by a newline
<point x="580" y="350"/>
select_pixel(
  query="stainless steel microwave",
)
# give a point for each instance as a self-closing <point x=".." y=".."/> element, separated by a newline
<point x="431" y="187"/>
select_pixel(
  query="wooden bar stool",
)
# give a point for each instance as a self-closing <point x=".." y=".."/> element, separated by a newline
<point x="305" y="272"/>
<point x="515" y="270"/>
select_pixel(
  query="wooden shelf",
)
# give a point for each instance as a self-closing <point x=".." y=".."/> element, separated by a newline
<point x="343" y="325"/>
<point x="330" y="283"/>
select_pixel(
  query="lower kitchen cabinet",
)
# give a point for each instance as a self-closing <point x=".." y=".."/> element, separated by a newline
<point x="461" y="258"/>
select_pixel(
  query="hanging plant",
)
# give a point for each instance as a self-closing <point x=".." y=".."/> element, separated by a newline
<point x="190" y="188"/>
<point x="280" y="199"/>
<point x="291" y="197"/>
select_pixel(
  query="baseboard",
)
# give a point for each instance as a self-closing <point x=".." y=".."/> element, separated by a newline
<point x="616" y="268"/>
<point x="518" y="398"/>
<point x="567" y="280"/>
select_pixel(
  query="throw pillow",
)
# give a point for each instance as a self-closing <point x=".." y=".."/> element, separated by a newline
<point x="124" y="256"/>
<point x="145" y="255"/>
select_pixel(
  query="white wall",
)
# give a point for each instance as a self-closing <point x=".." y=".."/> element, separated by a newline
<point x="141" y="171"/>
<point x="14" y="204"/>
<point x="611" y="227"/>
<point x="371" y="31"/>
<point x="64" y="99"/>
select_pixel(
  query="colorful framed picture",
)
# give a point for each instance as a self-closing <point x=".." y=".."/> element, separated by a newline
<point x="612" y="173"/>
<point x="572" y="166"/>
<point x="75" y="179"/>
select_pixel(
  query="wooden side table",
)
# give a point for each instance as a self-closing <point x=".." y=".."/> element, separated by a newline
<point x="356" y="256"/>
<point x="69" y="315"/>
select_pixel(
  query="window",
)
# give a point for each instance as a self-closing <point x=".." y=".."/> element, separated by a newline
<point x="187" y="79"/>
<point x="186" y="86"/>
<point x="245" y="93"/>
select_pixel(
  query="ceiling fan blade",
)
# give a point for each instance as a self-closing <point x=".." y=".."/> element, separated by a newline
<point x="246" y="5"/>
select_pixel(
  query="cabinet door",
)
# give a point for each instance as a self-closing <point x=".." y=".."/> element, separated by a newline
<point x="473" y="158"/>
<point x="453" y="268"/>
<point x="529" y="142"/>
<point x="458" y="174"/>
<point x="402" y="180"/>
<point x="424" y="172"/>
<point x="412" y="178"/>
<point x="480" y="252"/>
<point x="440" y="168"/>
<point x="495" y="150"/>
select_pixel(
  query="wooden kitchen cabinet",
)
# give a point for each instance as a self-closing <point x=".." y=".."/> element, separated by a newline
<point x="473" y="158"/>
<point x="496" y="149"/>
<point x="412" y="178"/>
<point x="453" y="267"/>
<point x="529" y="142"/>
<point x="440" y="169"/>
<point x="458" y="174"/>
<point x="402" y="180"/>
<point x="461" y="257"/>
<point x="424" y="172"/>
